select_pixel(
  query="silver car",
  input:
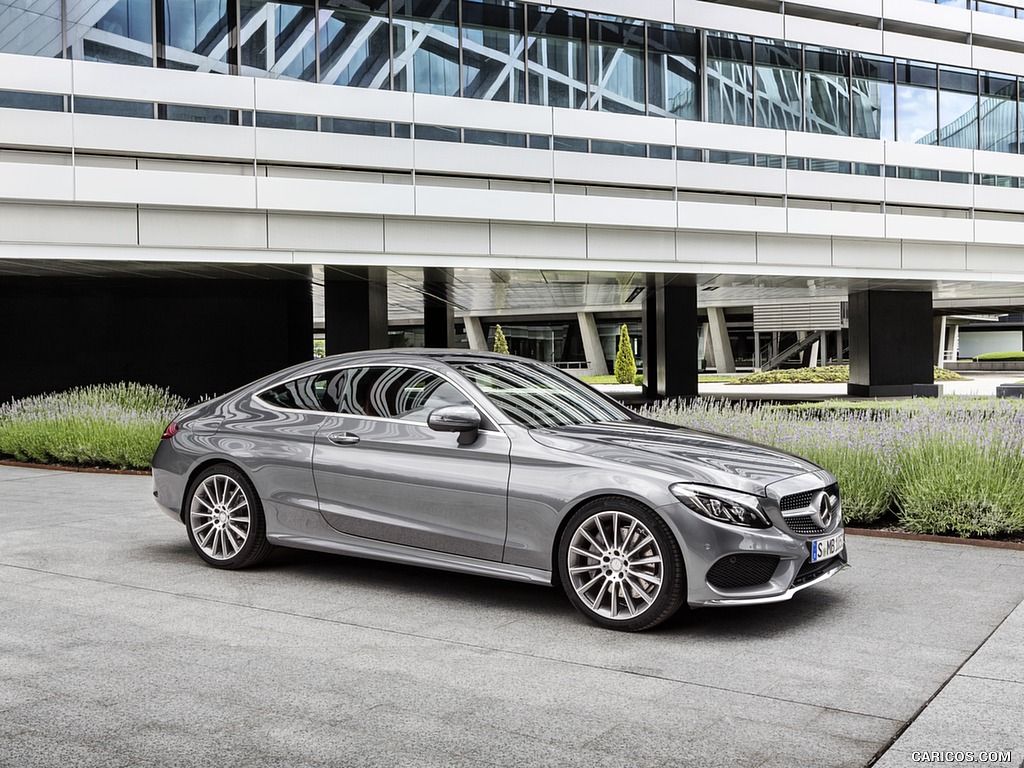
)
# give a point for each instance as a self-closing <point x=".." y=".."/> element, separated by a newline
<point x="499" y="466"/>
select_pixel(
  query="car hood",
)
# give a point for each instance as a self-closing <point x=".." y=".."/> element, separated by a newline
<point x="687" y="455"/>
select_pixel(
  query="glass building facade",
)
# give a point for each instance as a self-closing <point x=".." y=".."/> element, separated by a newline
<point x="500" y="50"/>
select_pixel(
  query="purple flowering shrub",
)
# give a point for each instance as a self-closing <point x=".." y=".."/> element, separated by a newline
<point x="114" y="425"/>
<point x="947" y="465"/>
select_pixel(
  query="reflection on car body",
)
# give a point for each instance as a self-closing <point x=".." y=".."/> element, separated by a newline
<point x="495" y="465"/>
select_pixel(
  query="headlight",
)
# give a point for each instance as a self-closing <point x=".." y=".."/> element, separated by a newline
<point x="720" y="504"/>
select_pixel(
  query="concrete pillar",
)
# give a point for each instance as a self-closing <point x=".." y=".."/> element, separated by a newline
<point x="724" y="361"/>
<point x="438" y="310"/>
<point x="939" y="329"/>
<point x="892" y="348"/>
<point x="670" y="336"/>
<point x="355" y="308"/>
<point x="705" y="349"/>
<point x="592" y="344"/>
<point x="475" y="332"/>
<point x="197" y="336"/>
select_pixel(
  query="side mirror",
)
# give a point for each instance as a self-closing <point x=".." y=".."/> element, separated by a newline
<point x="464" y="419"/>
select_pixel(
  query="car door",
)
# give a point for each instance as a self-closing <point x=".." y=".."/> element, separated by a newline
<point x="382" y="473"/>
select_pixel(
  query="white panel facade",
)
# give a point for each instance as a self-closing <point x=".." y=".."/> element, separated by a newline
<point x="68" y="224"/>
<point x="616" y="244"/>
<point x="538" y="241"/>
<point x="325" y="233"/>
<point x="867" y="254"/>
<point x="679" y="189"/>
<point x="934" y="256"/>
<point x="225" y="229"/>
<point x="442" y="237"/>
<point x="37" y="182"/>
<point x="794" y="250"/>
<point x="711" y="247"/>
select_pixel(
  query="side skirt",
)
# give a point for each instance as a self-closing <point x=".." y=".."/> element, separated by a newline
<point x="355" y="546"/>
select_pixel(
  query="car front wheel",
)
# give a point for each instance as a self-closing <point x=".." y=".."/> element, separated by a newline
<point x="225" y="520"/>
<point x="621" y="566"/>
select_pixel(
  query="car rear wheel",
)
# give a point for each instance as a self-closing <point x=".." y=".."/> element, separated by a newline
<point x="225" y="519"/>
<point x="621" y="566"/>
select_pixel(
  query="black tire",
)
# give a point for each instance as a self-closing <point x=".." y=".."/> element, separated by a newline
<point x="621" y="566"/>
<point x="224" y="518"/>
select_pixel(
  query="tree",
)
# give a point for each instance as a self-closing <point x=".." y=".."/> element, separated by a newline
<point x="625" y="363"/>
<point x="500" y="343"/>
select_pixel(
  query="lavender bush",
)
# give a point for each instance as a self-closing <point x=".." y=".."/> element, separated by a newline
<point x="116" y="425"/>
<point x="947" y="465"/>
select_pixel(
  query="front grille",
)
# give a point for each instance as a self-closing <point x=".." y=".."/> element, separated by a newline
<point x="804" y="525"/>
<point x="796" y="500"/>
<point x="744" y="570"/>
<point x="810" y="571"/>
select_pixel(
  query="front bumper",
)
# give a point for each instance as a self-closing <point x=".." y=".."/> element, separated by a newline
<point x="732" y="565"/>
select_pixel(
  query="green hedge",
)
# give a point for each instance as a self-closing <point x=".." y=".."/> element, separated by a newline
<point x="936" y="465"/>
<point x="108" y="425"/>
<point x="831" y="374"/>
<point x="999" y="356"/>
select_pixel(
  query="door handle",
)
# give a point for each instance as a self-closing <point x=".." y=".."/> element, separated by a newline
<point x="343" y="438"/>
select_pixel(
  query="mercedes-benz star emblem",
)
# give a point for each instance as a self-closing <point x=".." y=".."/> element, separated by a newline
<point x="825" y="510"/>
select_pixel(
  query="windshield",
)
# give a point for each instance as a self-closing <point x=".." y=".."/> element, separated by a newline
<point x="536" y="396"/>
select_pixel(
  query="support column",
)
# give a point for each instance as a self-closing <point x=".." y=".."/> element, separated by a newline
<point x="670" y="312"/>
<point x="724" y="361"/>
<point x="355" y="308"/>
<point x="475" y="333"/>
<point x="592" y="344"/>
<point x="939" y="328"/>
<point x="438" y="310"/>
<point x="891" y="344"/>
<point x="650" y="332"/>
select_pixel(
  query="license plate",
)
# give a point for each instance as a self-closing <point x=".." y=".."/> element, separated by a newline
<point x="823" y="549"/>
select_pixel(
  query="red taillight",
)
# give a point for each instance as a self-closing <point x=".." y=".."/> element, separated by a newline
<point x="171" y="431"/>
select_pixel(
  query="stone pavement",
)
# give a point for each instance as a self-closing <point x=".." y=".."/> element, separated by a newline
<point x="118" y="647"/>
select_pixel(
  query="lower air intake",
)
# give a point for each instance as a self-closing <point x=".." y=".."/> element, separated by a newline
<point x="744" y="570"/>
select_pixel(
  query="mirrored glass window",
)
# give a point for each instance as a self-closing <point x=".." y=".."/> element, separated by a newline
<point x="673" y="79"/>
<point x="396" y="393"/>
<point x="779" y="92"/>
<point x="996" y="9"/>
<point x="186" y="114"/>
<point x="278" y="40"/>
<point x="998" y="113"/>
<point x="493" y="50"/>
<point x="557" y="57"/>
<point x="121" y="32"/>
<point x="917" y="105"/>
<point x="873" y="97"/>
<point x="730" y="79"/>
<point x="30" y="27"/>
<point x="47" y="102"/>
<point x="195" y="34"/>
<point x="617" y="74"/>
<point x="426" y="46"/>
<point x="958" y="108"/>
<point x="827" y="91"/>
<point x="355" y="43"/>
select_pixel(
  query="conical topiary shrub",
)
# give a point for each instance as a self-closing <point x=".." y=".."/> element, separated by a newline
<point x="500" y="343"/>
<point x="625" y="363"/>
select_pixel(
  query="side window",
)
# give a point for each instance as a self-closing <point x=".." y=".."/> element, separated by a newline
<point x="319" y="392"/>
<point x="396" y="393"/>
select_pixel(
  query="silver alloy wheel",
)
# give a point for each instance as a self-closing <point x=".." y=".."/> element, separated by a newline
<point x="220" y="517"/>
<point x="615" y="565"/>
